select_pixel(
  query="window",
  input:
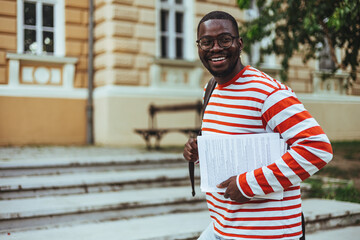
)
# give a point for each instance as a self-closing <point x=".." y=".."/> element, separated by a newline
<point x="40" y="27"/>
<point x="325" y="61"/>
<point x="172" y="32"/>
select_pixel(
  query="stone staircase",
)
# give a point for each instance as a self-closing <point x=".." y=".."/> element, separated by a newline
<point x="97" y="191"/>
<point x="116" y="194"/>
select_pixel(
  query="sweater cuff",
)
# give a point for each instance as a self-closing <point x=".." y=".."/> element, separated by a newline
<point x="243" y="186"/>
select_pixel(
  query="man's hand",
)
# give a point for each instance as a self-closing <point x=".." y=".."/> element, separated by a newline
<point x="191" y="150"/>
<point x="232" y="190"/>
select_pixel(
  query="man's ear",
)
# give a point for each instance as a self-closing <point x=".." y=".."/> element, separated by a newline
<point x="240" y="42"/>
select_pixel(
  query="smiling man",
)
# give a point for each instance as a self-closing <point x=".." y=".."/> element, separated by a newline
<point x="215" y="36"/>
<point x="248" y="101"/>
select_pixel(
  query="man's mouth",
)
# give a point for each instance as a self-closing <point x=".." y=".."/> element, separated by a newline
<point x="217" y="59"/>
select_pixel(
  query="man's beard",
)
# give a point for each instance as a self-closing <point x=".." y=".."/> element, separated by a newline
<point x="228" y="70"/>
<point x="223" y="73"/>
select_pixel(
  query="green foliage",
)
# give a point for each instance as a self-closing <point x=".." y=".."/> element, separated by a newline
<point x="350" y="150"/>
<point x="337" y="172"/>
<point x="243" y="4"/>
<point x="316" y="190"/>
<point x="348" y="194"/>
<point x="339" y="192"/>
<point x="303" y="25"/>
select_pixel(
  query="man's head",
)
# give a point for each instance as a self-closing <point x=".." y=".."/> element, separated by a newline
<point x="219" y="45"/>
<point x="219" y="15"/>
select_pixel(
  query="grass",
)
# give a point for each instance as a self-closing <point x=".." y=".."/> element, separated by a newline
<point x="350" y="150"/>
<point x="337" y="172"/>
<point x="338" y="191"/>
<point x="345" y="165"/>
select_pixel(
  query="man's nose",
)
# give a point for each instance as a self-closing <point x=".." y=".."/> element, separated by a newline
<point x="216" y="46"/>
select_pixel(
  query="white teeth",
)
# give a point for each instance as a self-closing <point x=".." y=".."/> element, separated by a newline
<point x="218" y="59"/>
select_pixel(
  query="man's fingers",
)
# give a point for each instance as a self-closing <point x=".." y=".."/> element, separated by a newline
<point x="190" y="151"/>
<point x="190" y="156"/>
<point x="224" y="184"/>
<point x="227" y="193"/>
<point x="193" y="143"/>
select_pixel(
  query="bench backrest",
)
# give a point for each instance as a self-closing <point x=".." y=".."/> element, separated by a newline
<point x="153" y="110"/>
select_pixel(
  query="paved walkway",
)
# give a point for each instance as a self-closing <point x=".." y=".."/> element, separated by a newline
<point x="346" y="233"/>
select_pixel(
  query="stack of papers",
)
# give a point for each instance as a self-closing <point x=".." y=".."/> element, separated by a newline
<point x="224" y="156"/>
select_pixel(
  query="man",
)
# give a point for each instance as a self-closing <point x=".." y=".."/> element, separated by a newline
<point x="246" y="100"/>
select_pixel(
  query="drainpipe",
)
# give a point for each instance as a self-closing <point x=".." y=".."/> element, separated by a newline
<point x="89" y="106"/>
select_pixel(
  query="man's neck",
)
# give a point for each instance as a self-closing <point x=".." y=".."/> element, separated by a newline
<point x="229" y="77"/>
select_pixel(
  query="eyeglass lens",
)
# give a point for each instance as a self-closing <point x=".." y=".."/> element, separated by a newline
<point x="224" y="41"/>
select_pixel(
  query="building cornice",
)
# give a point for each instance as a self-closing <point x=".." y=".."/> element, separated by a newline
<point x="41" y="58"/>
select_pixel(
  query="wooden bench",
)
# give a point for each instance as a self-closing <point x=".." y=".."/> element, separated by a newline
<point x="154" y="132"/>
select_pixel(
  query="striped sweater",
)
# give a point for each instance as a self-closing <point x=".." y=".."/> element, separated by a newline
<point x="252" y="102"/>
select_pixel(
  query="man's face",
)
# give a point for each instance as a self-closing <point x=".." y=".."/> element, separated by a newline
<point x="220" y="62"/>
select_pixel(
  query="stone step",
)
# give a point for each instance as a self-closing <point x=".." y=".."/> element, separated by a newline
<point x="183" y="225"/>
<point x="50" y="165"/>
<point x="28" y="212"/>
<point x="321" y="214"/>
<point x="163" y="227"/>
<point x="91" y="182"/>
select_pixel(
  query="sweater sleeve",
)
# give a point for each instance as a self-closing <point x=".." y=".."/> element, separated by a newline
<point x="309" y="151"/>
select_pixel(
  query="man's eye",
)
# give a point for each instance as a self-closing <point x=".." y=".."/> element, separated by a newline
<point x="226" y="39"/>
<point x="206" y="42"/>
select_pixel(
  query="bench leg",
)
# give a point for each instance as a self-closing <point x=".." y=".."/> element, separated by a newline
<point x="147" y="138"/>
<point x="157" y="140"/>
<point x="147" y="141"/>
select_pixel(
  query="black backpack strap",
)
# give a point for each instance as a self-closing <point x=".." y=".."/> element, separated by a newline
<point x="303" y="226"/>
<point x="209" y="89"/>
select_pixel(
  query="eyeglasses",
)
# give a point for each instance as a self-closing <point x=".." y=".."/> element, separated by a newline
<point x="224" y="41"/>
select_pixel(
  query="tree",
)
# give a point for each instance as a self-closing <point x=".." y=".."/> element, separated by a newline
<point x="305" y="26"/>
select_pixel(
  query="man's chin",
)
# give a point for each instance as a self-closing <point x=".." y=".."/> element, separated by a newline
<point x="223" y="73"/>
<point x="219" y="74"/>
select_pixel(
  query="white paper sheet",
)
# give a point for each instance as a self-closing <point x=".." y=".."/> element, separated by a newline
<point x="225" y="156"/>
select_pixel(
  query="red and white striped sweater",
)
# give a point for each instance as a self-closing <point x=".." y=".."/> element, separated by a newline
<point x="251" y="103"/>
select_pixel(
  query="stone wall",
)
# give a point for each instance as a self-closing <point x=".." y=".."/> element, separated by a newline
<point x="124" y="42"/>
<point x="7" y="35"/>
<point x="76" y="37"/>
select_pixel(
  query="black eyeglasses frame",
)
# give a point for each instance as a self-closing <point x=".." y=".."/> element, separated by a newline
<point x="217" y="40"/>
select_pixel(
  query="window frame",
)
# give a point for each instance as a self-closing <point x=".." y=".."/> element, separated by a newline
<point x="187" y="35"/>
<point x="57" y="29"/>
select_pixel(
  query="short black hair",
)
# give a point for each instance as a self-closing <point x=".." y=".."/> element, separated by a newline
<point x="219" y="15"/>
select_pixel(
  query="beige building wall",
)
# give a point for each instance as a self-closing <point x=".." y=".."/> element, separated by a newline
<point x="118" y="114"/>
<point x="7" y="34"/>
<point x="37" y="110"/>
<point x="76" y="38"/>
<point x="37" y="121"/>
<point x="337" y="115"/>
<point x="124" y="42"/>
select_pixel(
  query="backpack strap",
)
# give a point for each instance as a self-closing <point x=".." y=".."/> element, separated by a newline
<point x="209" y="89"/>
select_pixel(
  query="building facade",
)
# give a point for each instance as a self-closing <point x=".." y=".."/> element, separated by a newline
<point x="43" y="72"/>
<point x="144" y="52"/>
